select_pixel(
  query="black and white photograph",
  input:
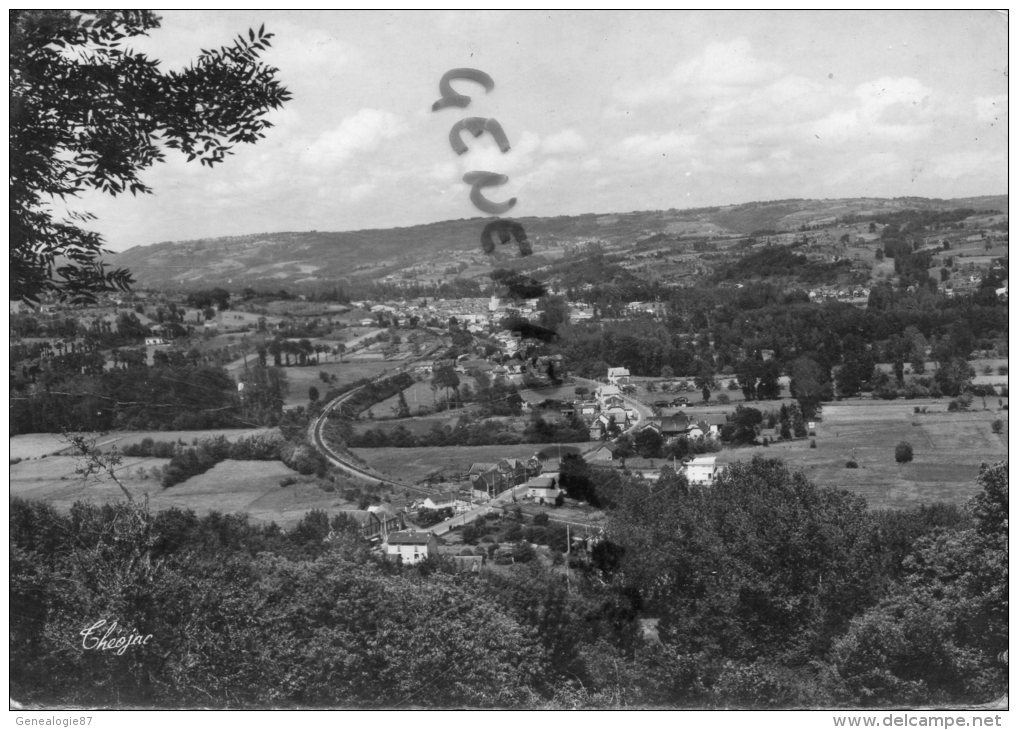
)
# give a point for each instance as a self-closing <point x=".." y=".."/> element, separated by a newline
<point x="509" y="360"/>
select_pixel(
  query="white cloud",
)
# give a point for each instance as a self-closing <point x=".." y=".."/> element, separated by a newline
<point x="359" y="134"/>
<point x="312" y="53"/>
<point x="658" y="144"/>
<point x="720" y="69"/>
<point x="564" y="142"/>
<point x="953" y="165"/>
<point x="868" y="168"/>
<point x="886" y="109"/>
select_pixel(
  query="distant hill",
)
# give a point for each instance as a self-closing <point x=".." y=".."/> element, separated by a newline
<point x="296" y="258"/>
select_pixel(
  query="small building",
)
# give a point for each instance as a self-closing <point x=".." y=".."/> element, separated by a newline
<point x="711" y="424"/>
<point x="468" y="563"/>
<point x="598" y="429"/>
<point x="411" y="547"/>
<point x="376" y="521"/>
<point x="669" y="426"/>
<point x="619" y="414"/>
<point x="702" y="470"/>
<point x="543" y="488"/>
<point x="604" y="392"/>
<point x="606" y="452"/>
<point x="497" y="477"/>
<point x="613" y="401"/>
<point x="446" y="500"/>
<point x="618" y="376"/>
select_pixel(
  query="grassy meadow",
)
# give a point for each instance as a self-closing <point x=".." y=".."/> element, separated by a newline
<point x="230" y="486"/>
<point x="948" y="449"/>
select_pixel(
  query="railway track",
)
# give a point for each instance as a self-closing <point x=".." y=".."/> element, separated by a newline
<point x="341" y="461"/>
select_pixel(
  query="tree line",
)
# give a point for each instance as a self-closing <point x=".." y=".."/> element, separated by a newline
<point x="766" y="590"/>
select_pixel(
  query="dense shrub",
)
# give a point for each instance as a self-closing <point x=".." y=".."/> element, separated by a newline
<point x="302" y="458"/>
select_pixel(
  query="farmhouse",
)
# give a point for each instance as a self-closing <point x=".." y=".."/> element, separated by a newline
<point x="497" y="477"/>
<point x="604" y="392"/>
<point x="603" y="453"/>
<point x="598" y="429"/>
<point x="620" y="415"/>
<point x="446" y="500"/>
<point x="411" y="547"/>
<point x="544" y="488"/>
<point x="618" y="376"/>
<point x="376" y="521"/>
<point x="670" y="426"/>
<point x="702" y="470"/>
<point x="711" y="423"/>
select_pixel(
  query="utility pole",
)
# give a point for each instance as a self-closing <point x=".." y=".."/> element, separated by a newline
<point x="569" y="546"/>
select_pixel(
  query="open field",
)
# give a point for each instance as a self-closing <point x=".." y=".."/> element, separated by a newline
<point x="417" y="425"/>
<point x="948" y="449"/>
<point x="253" y="487"/>
<point x="300" y="379"/>
<point x="978" y="364"/>
<point x="231" y="486"/>
<point x="53" y="479"/>
<point x="565" y="392"/>
<point x="36" y="445"/>
<point x="417" y="395"/>
<point x="415" y="464"/>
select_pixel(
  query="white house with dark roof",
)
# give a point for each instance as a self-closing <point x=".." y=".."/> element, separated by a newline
<point x="606" y="392"/>
<point x="543" y="487"/>
<point x="446" y="500"/>
<point x="702" y="470"/>
<point x="410" y="546"/>
<point x="618" y="376"/>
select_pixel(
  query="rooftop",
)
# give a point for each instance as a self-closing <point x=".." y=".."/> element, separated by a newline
<point x="409" y="538"/>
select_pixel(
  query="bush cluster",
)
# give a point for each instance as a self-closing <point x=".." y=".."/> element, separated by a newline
<point x="189" y="461"/>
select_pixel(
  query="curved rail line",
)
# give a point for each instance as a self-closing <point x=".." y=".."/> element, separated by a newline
<point x="338" y="460"/>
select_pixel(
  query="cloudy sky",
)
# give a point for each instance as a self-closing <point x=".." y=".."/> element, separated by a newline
<point x="605" y="111"/>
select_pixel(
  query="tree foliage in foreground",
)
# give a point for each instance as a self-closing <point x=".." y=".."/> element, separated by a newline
<point x="763" y="563"/>
<point x="242" y="616"/>
<point x="942" y="633"/>
<point x="761" y="591"/>
<point x="89" y="113"/>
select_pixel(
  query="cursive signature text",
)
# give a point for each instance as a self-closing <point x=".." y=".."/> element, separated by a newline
<point x="117" y="644"/>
